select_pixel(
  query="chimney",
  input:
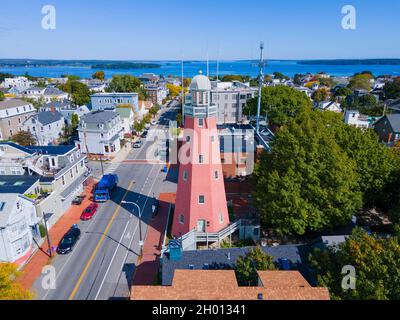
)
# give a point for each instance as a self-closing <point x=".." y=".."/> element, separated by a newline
<point x="52" y="109"/>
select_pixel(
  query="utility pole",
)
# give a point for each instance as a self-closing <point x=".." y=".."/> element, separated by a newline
<point x="47" y="216"/>
<point x="260" y="85"/>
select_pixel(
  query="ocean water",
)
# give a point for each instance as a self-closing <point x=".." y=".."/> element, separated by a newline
<point x="192" y="68"/>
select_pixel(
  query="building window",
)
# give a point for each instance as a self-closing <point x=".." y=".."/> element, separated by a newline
<point x="181" y="219"/>
<point x="185" y="175"/>
<point x="216" y="175"/>
<point x="221" y="218"/>
<point x="63" y="180"/>
<point x="212" y="138"/>
<point x="201" y="122"/>
<point x="188" y="139"/>
<point x="201" y="158"/>
<point x="201" y="199"/>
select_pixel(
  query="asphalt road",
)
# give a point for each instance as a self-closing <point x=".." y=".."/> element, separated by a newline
<point x="102" y="264"/>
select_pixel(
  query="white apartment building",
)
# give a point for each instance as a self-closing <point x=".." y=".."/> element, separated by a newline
<point x="46" y="127"/>
<point x="100" y="133"/>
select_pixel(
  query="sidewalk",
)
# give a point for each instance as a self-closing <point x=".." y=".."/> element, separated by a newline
<point x="33" y="268"/>
<point x="147" y="269"/>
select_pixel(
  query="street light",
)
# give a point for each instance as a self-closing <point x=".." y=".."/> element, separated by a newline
<point x="140" y="224"/>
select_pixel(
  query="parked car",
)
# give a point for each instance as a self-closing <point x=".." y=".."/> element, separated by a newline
<point x="89" y="212"/>
<point x="138" y="144"/>
<point x="154" y="122"/>
<point x="154" y="208"/>
<point x="144" y="134"/>
<point x="69" y="240"/>
<point x="78" y="200"/>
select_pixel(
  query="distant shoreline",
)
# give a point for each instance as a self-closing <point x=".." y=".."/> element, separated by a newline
<point x="155" y="64"/>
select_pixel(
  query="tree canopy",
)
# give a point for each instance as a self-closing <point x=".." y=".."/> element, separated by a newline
<point x="361" y="81"/>
<point x="124" y="83"/>
<point x="79" y="92"/>
<point x="320" y="95"/>
<point x="321" y="172"/>
<point x="255" y="260"/>
<point x="24" y="138"/>
<point x="100" y="75"/>
<point x="392" y="89"/>
<point x="282" y="103"/>
<point x="376" y="262"/>
<point x="2" y="97"/>
<point x="9" y="288"/>
<point x="308" y="183"/>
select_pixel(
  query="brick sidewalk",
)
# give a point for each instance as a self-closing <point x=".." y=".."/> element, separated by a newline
<point x="33" y="268"/>
<point x="147" y="269"/>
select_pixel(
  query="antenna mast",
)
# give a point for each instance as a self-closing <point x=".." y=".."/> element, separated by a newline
<point x="183" y="96"/>
<point x="260" y="84"/>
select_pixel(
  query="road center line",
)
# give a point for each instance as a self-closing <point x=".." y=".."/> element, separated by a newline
<point x="117" y="209"/>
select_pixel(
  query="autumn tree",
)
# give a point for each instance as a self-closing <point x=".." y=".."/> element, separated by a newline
<point x="24" y="138"/>
<point x="281" y="103"/>
<point x="9" y="288"/>
<point x="376" y="263"/>
<point x="255" y="260"/>
<point x="99" y="75"/>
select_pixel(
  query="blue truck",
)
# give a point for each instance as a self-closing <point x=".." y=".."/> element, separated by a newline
<point x="103" y="189"/>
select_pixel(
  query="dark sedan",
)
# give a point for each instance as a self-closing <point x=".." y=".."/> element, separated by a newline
<point x="69" y="240"/>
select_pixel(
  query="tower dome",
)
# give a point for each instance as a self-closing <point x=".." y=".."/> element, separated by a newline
<point x="200" y="83"/>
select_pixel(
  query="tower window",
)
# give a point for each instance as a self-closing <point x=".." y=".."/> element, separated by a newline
<point x="201" y="159"/>
<point x="201" y="199"/>
<point x="185" y="175"/>
<point x="181" y="219"/>
<point x="188" y="139"/>
<point x="201" y="122"/>
<point x="221" y="218"/>
<point x="216" y="175"/>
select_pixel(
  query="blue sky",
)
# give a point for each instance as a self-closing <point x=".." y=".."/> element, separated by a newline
<point x="176" y="29"/>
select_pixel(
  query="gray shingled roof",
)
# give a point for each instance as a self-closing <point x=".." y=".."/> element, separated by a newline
<point x="12" y="103"/>
<point x="50" y="91"/>
<point x="47" y="117"/>
<point x="394" y="120"/>
<point x="99" y="117"/>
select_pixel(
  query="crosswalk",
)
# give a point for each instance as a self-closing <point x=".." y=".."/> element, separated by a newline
<point x="112" y="168"/>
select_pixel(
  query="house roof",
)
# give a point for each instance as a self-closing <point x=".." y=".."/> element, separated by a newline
<point x="17" y="146"/>
<point x="50" y="91"/>
<point x="222" y="257"/>
<point x="47" y="117"/>
<point x="52" y="150"/>
<point x="222" y="285"/>
<point x="99" y="117"/>
<point x="394" y="120"/>
<point x="12" y="103"/>
<point x="124" y="112"/>
<point x="16" y="184"/>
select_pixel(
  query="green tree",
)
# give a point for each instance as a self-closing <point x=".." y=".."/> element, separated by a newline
<point x="232" y="77"/>
<point x="255" y="260"/>
<point x="10" y="289"/>
<point x="320" y="95"/>
<point x="99" y="75"/>
<point x="179" y="119"/>
<point x="79" y="92"/>
<point x="24" y="138"/>
<point x="124" y="83"/>
<point x="361" y="81"/>
<point x="392" y="89"/>
<point x="297" y="79"/>
<point x="376" y="262"/>
<point x="343" y="92"/>
<point x="154" y="110"/>
<point x="280" y="76"/>
<point x="2" y="96"/>
<point x="308" y="183"/>
<point x="281" y="102"/>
